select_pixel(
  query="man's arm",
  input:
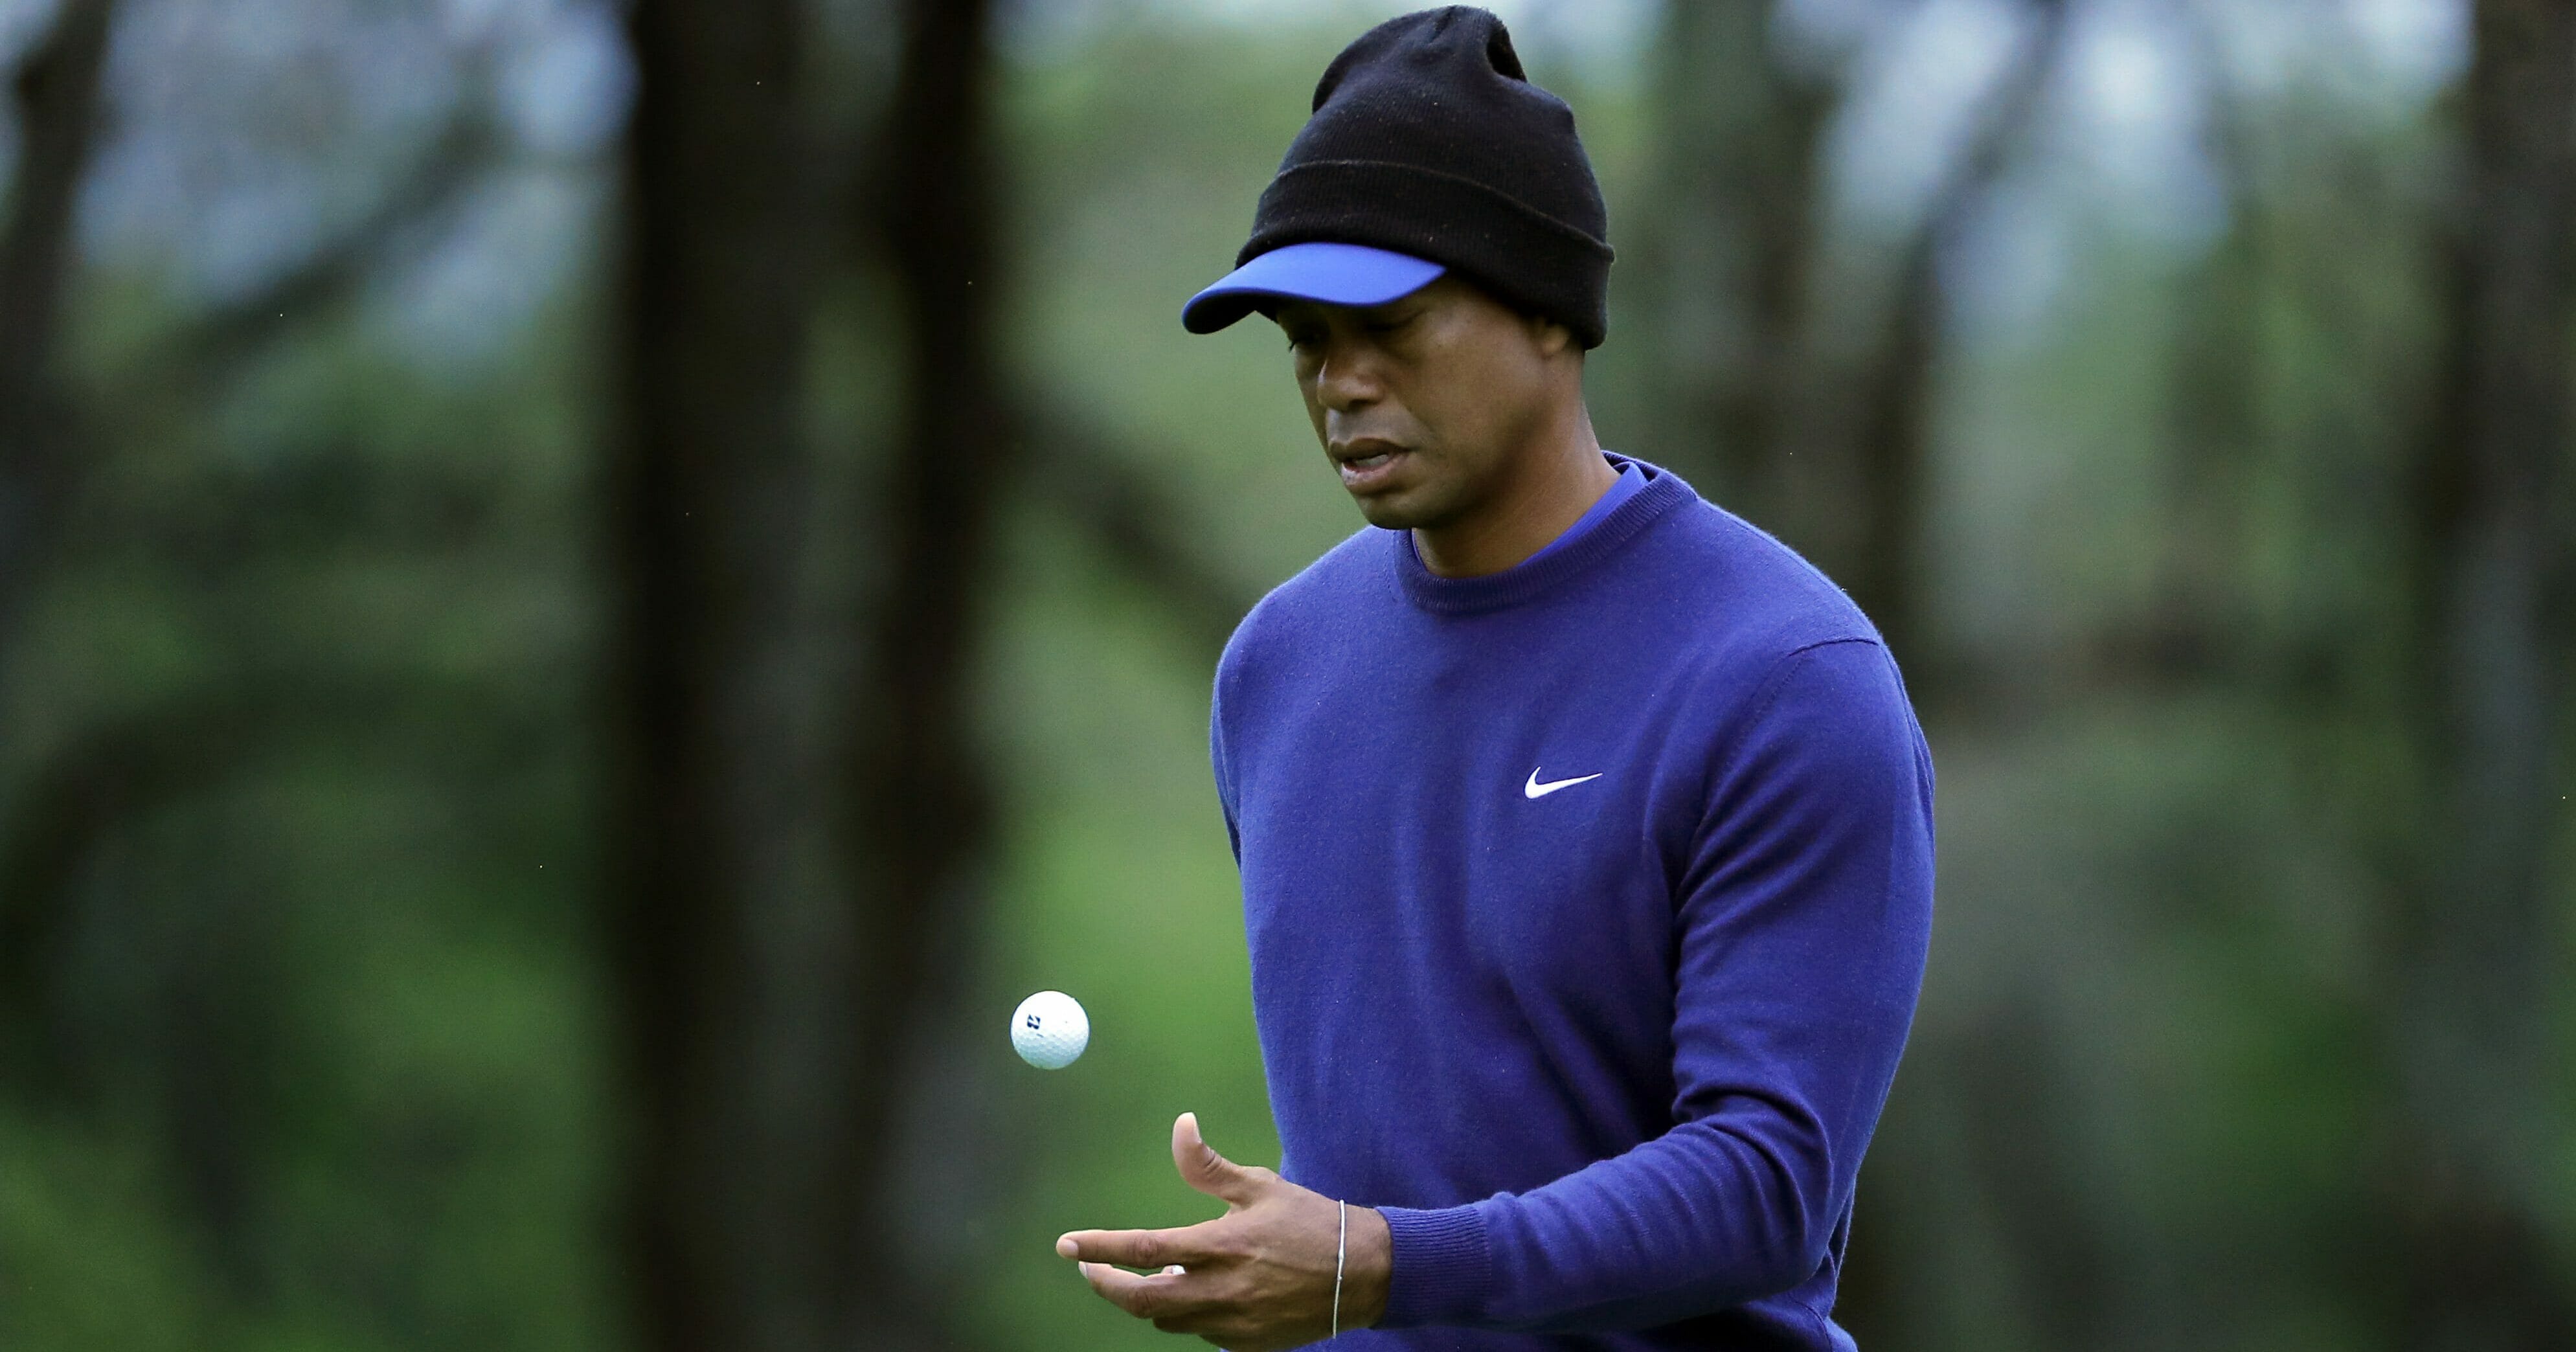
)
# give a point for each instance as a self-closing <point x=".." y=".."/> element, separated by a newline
<point x="1804" y="921"/>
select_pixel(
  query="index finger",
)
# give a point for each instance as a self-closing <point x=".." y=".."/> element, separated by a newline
<point x="1137" y="1248"/>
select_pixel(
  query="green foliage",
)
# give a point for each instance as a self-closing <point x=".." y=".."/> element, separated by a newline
<point x="323" y="979"/>
<point x="88" y="1258"/>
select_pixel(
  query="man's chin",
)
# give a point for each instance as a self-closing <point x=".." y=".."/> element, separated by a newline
<point x="1392" y="510"/>
<point x="1406" y="507"/>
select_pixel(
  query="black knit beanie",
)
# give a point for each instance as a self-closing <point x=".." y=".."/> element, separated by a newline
<point x="1428" y="140"/>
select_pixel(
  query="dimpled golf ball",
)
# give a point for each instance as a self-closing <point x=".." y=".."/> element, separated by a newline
<point x="1049" y="1030"/>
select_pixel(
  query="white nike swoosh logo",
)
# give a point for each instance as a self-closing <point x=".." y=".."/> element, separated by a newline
<point x="1534" y="789"/>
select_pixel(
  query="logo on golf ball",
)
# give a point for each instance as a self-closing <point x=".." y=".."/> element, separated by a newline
<point x="1049" y="1030"/>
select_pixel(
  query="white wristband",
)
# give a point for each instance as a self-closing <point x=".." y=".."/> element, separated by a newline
<point x="1341" y="1248"/>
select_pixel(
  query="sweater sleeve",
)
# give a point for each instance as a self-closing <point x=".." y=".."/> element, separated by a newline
<point x="1802" y="920"/>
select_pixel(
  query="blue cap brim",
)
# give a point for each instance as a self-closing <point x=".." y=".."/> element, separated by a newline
<point x="1329" y="274"/>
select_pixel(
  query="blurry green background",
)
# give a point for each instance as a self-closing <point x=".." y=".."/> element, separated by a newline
<point x="2121" y="355"/>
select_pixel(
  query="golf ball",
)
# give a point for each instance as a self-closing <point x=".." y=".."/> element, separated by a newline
<point x="1049" y="1030"/>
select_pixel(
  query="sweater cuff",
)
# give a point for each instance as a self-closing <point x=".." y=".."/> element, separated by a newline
<point x="1440" y="1268"/>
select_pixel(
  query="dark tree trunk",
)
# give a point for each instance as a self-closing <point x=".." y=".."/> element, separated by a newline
<point x="922" y="801"/>
<point x="2476" y="960"/>
<point x="708" y="482"/>
<point x="57" y="96"/>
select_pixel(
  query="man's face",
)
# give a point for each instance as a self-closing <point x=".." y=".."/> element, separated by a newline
<point x="1423" y="403"/>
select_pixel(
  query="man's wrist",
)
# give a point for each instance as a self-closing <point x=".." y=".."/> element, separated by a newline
<point x="1368" y="1267"/>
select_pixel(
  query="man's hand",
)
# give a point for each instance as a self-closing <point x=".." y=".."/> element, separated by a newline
<point x="1258" y="1278"/>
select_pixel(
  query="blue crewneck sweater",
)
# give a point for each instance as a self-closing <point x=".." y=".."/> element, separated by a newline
<point x="1587" y="904"/>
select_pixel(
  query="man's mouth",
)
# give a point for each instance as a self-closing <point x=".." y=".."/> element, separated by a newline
<point x="1361" y="472"/>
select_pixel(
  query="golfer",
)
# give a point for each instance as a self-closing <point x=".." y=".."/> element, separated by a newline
<point x="1585" y="830"/>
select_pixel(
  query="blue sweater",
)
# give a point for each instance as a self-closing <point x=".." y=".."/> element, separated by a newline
<point x="1587" y="905"/>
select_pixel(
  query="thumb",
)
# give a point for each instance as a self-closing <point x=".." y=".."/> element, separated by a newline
<point x="1204" y="1169"/>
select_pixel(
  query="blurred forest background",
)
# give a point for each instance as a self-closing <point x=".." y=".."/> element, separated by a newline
<point x="591" y="591"/>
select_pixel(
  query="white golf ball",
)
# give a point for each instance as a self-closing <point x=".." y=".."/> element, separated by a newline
<point x="1049" y="1030"/>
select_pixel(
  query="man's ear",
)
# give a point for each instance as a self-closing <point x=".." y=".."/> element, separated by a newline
<point x="1552" y="338"/>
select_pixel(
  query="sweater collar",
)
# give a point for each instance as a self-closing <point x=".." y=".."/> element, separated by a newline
<point x="1541" y="573"/>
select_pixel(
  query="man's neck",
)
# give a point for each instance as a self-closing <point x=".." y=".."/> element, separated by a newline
<point x="1557" y="484"/>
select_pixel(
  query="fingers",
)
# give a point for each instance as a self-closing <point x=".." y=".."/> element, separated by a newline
<point x="1155" y="1297"/>
<point x="1140" y="1248"/>
<point x="1172" y="1306"/>
<point x="1174" y="1301"/>
<point x="1209" y="1172"/>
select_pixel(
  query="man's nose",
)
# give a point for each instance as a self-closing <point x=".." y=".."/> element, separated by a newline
<point x="1343" y="380"/>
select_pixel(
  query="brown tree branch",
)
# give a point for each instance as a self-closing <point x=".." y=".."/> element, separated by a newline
<point x="122" y="769"/>
<point x="210" y="347"/>
<point x="1082" y="475"/>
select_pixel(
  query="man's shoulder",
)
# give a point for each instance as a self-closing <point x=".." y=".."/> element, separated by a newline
<point x="1309" y="609"/>
<point x="1740" y="595"/>
<point x="1771" y="641"/>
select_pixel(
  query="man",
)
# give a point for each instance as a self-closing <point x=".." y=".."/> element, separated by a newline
<point x="1585" y="831"/>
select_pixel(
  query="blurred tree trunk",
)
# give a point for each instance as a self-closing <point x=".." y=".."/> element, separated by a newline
<point x="1875" y="547"/>
<point x="920" y="793"/>
<point x="707" y="485"/>
<point x="1852" y="491"/>
<point x="1730" y="241"/>
<point x="2199" y="620"/>
<point x="57" y="97"/>
<point x="1832" y="457"/>
<point x="2476" y="962"/>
